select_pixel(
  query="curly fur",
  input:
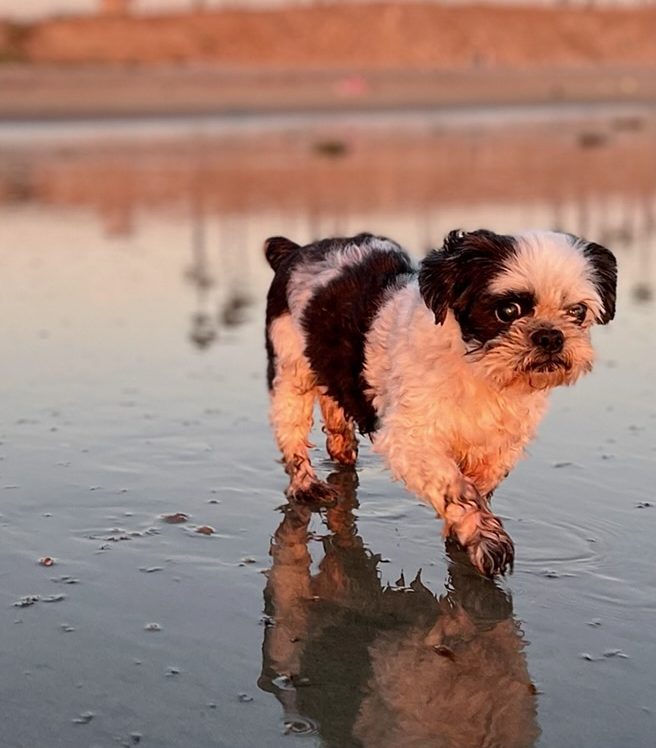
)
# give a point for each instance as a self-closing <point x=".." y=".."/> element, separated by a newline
<point x="427" y="362"/>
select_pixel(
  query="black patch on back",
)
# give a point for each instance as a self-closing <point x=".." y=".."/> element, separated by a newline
<point x="337" y="320"/>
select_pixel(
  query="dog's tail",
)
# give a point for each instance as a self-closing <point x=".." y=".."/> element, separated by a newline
<point x="276" y="248"/>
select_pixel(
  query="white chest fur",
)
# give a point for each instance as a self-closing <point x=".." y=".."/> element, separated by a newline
<point x="425" y="389"/>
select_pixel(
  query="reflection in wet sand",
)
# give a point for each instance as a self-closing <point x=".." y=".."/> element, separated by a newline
<point x="377" y="666"/>
<point x="590" y="175"/>
<point x="233" y="272"/>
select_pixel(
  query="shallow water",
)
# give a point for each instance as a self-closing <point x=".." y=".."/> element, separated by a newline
<point x="133" y="388"/>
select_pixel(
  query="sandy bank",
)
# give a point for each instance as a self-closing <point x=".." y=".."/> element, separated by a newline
<point x="382" y="36"/>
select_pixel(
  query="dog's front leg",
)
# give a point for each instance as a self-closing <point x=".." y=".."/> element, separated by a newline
<point x="435" y="477"/>
<point x="467" y="516"/>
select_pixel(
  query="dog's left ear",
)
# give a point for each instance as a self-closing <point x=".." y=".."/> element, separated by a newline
<point x="447" y="274"/>
<point x="437" y="276"/>
<point x="604" y="276"/>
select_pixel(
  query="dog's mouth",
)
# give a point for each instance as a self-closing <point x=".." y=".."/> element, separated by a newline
<point x="547" y="365"/>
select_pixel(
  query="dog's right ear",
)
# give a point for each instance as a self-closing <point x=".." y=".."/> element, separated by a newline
<point x="437" y="276"/>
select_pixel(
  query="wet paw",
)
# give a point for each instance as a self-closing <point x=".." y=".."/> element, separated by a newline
<point x="314" y="493"/>
<point x="342" y="449"/>
<point x="491" y="550"/>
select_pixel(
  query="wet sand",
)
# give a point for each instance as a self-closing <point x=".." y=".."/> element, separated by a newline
<point x="136" y="388"/>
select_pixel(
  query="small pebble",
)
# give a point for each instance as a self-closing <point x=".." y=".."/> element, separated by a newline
<point x="443" y="651"/>
<point x="176" y="518"/>
<point x="47" y="561"/>
<point x="244" y="698"/>
<point x="616" y="653"/>
<point x="284" y="682"/>
<point x="84" y="718"/>
<point x="26" y="601"/>
<point x="205" y="530"/>
<point x="53" y="598"/>
<point x="152" y="627"/>
<point x="172" y="672"/>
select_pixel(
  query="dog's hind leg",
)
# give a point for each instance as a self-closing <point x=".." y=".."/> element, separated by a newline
<point x="293" y="393"/>
<point x="341" y="441"/>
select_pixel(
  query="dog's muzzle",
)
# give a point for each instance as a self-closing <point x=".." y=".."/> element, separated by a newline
<point x="548" y="340"/>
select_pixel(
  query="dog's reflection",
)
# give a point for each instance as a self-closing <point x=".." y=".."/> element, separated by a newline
<point x="378" y="666"/>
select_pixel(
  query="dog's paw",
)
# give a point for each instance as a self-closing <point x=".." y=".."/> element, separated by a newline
<point x="314" y="493"/>
<point x="490" y="549"/>
<point x="342" y="448"/>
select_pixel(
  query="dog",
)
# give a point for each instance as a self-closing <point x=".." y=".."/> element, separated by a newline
<point x="446" y="367"/>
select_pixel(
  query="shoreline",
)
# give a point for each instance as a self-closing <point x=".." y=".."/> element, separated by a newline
<point x="55" y="93"/>
<point x="326" y="124"/>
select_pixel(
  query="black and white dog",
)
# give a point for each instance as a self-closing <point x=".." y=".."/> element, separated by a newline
<point x="446" y="367"/>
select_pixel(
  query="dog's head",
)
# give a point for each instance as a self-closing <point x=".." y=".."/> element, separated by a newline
<point x="524" y="303"/>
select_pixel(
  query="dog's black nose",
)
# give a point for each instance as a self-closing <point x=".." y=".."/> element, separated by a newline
<point x="548" y="339"/>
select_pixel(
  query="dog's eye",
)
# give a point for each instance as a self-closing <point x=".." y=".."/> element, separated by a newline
<point x="577" y="312"/>
<point x="508" y="311"/>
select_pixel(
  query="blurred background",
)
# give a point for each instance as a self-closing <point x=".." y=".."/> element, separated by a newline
<point x="308" y="118"/>
<point x="147" y="148"/>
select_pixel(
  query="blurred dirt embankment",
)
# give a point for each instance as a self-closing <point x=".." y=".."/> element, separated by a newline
<point x="388" y="36"/>
<point x="370" y="56"/>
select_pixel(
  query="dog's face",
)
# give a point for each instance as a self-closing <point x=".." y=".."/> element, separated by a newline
<point x="524" y="303"/>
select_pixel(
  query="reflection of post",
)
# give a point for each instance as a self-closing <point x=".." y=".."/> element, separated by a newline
<point x="357" y="661"/>
<point x="118" y="199"/>
<point x="557" y="223"/>
<point x="583" y="221"/>
<point x="203" y="331"/>
<point x="233" y="258"/>
<point x="643" y="291"/>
